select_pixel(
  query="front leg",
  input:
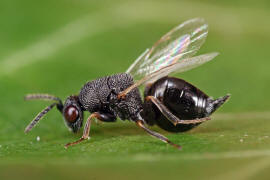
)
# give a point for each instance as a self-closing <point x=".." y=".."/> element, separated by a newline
<point x="86" y="131"/>
<point x="106" y="117"/>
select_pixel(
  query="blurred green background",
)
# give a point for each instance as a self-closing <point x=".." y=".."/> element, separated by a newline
<point x="56" y="46"/>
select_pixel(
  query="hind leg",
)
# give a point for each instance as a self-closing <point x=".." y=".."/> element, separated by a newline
<point x="170" y="116"/>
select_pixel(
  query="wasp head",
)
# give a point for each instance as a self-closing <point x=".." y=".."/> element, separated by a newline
<point x="71" y="111"/>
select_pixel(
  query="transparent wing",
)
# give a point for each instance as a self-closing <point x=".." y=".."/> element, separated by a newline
<point x="180" y="43"/>
<point x="177" y="67"/>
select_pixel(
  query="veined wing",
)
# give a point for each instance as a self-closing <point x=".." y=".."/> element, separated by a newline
<point x="180" y="43"/>
<point x="177" y="67"/>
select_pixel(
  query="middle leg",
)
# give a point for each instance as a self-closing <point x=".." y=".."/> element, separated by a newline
<point x="140" y="124"/>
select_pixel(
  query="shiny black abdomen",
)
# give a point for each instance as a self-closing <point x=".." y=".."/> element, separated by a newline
<point x="183" y="99"/>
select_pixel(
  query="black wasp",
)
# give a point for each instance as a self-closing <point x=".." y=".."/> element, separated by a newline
<point x="171" y="103"/>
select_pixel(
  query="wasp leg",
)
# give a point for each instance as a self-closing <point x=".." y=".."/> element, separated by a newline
<point x="106" y="117"/>
<point x="86" y="131"/>
<point x="170" y="116"/>
<point x="140" y="124"/>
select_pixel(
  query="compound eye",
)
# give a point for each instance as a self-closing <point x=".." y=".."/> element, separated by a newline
<point x="71" y="114"/>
